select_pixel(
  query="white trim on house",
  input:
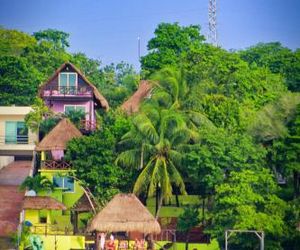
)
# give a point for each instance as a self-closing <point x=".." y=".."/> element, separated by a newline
<point x="68" y="83"/>
<point x="75" y="105"/>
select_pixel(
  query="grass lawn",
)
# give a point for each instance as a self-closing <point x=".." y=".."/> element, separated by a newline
<point x="181" y="246"/>
<point x="171" y="210"/>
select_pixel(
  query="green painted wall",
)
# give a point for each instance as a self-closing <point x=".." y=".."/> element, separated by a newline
<point x="67" y="198"/>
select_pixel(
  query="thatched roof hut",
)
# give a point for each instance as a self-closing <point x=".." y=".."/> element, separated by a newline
<point x="133" y="103"/>
<point x="100" y="99"/>
<point x="84" y="204"/>
<point x="58" y="137"/>
<point x="125" y="213"/>
<point x="42" y="202"/>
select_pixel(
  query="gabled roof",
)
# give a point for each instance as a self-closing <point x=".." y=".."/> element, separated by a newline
<point x="42" y="202"/>
<point x="133" y="103"/>
<point x="125" y="213"/>
<point x="58" y="137"/>
<point x="99" y="98"/>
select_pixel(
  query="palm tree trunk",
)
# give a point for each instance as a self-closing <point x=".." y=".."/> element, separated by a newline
<point x="203" y="210"/>
<point x="187" y="239"/>
<point x="156" y="199"/>
<point x="142" y="157"/>
<point x="159" y="203"/>
<point x="296" y="183"/>
<point x="176" y="196"/>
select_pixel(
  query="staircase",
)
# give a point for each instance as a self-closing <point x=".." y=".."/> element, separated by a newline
<point x="11" y="198"/>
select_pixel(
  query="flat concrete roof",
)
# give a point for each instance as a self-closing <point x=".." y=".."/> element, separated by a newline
<point x="15" y="110"/>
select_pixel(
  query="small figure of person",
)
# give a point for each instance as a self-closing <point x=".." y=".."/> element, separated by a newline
<point x="102" y="241"/>
<point x="111" y="243"/>
<point x="136" y="244"/>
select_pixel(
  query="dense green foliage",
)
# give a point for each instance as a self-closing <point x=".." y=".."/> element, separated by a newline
<point x="93" y="159"/>
<point x="36" y="183"/>
<point x="247" y="200"/>
<point x="278" y="59"/>
<point x="26" y="61"/>
<point x="187" y="220"/>
<point x="220" y="124"/>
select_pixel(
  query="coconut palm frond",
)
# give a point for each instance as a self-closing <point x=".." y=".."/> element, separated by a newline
<point x="154" y="180"/>
<point x="166" y="186"/>
<point x="129" y="158"/>
<point x="143" y="180"/>
<point x="176" y="178"/>
<point x="181" y="136"/>
<point x="199" y="119"/>
<point x="145" y="127"/>
<point x="175" y="156"/>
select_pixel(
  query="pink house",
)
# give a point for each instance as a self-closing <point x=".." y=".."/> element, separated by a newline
<point x="68" y="89"/>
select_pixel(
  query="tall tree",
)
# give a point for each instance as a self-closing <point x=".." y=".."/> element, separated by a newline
<point x="171" y="41"/>
<point x="57" y="37"/>
<point x="93" y="159"/>
<point x="248" y="201"/>
<point x="13" y="42"/>
<point x="17" y="75"/>
<point x="278" y="59"/>
<point x="164" y="133"/>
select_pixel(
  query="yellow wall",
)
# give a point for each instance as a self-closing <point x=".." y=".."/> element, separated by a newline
<point x="63" y="242"/>
<point x="32" y="216"/>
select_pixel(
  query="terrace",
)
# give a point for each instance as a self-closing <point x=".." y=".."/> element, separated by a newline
<point x="68" y="91"/>
<point x="53" y="164"/>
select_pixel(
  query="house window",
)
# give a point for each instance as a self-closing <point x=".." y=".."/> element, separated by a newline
<point x="67" y="83"/>
<point x="70" y="108"/>
<point x="43" y="219"/>
<point x="65" y="183"/>
<point x="16" y="133"/>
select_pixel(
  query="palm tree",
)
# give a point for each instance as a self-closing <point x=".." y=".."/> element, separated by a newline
<point x="171" y="91"/>
<point x="160" y="135"/>
<point x="36" y="183"/>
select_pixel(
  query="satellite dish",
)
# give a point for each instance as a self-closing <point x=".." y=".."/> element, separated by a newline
<point x="30" y="193"/>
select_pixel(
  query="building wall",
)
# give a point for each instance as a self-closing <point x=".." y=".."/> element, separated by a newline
<point x="63" y="242"/>
<point x="15" y="114"/>
<point x="32" y="137"/>
<point x="5" y="160"/>
<point x="67" y="198"/>
<point x="32" y="216"/>
<point x="53" y="84"/>
<point x="58" y="107"/>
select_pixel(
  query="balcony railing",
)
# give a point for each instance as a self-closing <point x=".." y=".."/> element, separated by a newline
<point x="52" y="230"/>
<point x="19" y="139"/>
<point x="52" y="164"/>
<point x="88" y="125"/>
<point x="68" y="91"/>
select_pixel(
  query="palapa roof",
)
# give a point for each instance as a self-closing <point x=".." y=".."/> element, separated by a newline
<point x="58" y="137"/>
<point x="125" y="213"/>
<point x="133" y="103"/>
<point x="98" y="96"/>
<point x="83" y="204"/>
<point x="42" y="202"/>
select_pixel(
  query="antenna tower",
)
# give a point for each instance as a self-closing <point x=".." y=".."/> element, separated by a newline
<point x="212" y="22"/>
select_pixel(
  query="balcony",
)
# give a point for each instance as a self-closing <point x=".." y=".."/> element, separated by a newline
<point x="87" y="125"/>
<point x="68" y="91"/>
<point x="17" y="145"/>
<point x="52" y="164"/>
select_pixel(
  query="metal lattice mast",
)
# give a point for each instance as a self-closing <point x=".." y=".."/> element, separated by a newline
<point x="212" y="22"/>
